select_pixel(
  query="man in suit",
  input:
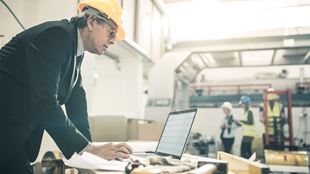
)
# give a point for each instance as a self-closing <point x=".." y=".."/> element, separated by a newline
<point x="39" y="72"/>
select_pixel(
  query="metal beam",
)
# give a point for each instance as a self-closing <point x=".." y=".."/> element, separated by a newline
<point x="252" y="49"/>
<point x="273" y="57"/>
<point x="306" y="58"/>
<point x="203" y="60"/>
<point x="249" y="43"/>
<point x="240" y="58"/>
<point x="135" y="48"/>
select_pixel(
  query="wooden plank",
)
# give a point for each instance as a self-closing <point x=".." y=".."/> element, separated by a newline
<point x="241" y="165"/>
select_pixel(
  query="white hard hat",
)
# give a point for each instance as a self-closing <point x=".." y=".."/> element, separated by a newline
<point x="227" y="105"/>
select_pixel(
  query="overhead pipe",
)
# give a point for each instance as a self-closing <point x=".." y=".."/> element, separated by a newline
<point x="301" y="85"/>
<point x="161" y="6"/>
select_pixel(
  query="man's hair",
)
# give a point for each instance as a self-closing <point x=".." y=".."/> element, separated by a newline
<point x="81" y="19"/>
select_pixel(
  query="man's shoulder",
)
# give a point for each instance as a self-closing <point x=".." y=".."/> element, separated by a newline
<point x="60" y="26"/>
<point x="52" y="28"/>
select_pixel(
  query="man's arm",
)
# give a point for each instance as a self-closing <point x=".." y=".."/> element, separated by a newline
<point x="76" y="108"/>
<point x="282" y="112"/>
<point x="261" y="115"/>
<point x="249" y="118"/>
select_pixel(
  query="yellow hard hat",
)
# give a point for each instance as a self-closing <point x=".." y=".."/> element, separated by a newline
<point x="272" y="96"/>
<point x="112" y="8"/>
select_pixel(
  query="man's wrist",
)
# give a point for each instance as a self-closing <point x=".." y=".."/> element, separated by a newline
<point x="89" y="148"/>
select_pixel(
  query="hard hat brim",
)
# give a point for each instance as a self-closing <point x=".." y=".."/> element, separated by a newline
<point x="120" y="35"/>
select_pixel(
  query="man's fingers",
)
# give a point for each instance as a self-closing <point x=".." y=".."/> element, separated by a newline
<point x="121" y="155"/>
<point x="122" y="149"/>
<point x="110" y="151"/>
<point x="128" y="148"/>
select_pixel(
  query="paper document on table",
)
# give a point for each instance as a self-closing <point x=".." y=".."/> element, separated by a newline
<point x="252" y="157"/>
<point x="93" y="162"/>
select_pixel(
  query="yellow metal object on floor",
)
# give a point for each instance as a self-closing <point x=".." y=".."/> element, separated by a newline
<point x="286" y="158"/>
<point x="239" y="165"/>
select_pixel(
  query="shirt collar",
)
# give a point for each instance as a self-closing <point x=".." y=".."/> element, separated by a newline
<point x="80" y="46"/>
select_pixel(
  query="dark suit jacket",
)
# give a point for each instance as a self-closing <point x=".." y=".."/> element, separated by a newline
<point x="35" y="72"/>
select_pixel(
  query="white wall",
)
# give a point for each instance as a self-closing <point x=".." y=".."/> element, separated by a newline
<point x="129" y="18"/>
<point x="33" y="12"/>
<point x="118" y="92"/>
<point x="161" y="84"/>
<point x="161" y="75"/>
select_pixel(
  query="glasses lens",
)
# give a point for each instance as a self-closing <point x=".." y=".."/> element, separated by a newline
<point x="112" y="34"/>
<point x="111" y="27"/>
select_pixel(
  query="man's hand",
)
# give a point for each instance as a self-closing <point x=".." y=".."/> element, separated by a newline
<point x="110" y="151"/>
<point x="238" y="122"/>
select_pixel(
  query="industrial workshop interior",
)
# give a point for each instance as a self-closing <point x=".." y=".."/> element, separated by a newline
<point x="154" y="86"/>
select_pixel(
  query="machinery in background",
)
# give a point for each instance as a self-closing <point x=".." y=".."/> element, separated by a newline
<point x="213" y="95"/>
<point x="282" y="154"/>
<point x="275" y="134"/>
<point x="302" y="131"/>
<point x="198" y="145"/>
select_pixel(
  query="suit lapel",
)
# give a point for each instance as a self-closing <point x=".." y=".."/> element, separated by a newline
<point x="65" y="86"/>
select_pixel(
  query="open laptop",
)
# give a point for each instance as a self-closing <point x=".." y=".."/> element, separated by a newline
<point x="174" y="135"/>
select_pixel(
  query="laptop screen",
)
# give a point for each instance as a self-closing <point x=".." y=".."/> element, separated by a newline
<point x="175" y="133"/>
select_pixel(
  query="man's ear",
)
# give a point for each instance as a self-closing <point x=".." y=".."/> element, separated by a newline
<point x="90" y="23"/>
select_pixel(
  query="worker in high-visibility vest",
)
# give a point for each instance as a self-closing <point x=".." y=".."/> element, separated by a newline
<point x="248" y="127"/>
<point x="275" y="110"/>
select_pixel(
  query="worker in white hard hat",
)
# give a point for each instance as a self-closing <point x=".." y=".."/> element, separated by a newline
<point x="228" y="127"/>
<point x="40" y="72"/>
<point x="275" y="110"/>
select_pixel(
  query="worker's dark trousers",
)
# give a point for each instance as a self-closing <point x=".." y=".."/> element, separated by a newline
<point x="227" y="143"/>
<point x="246" y="146"/>
<point x="18" y="163"/>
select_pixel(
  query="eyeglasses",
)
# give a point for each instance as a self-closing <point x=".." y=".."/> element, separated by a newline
<point x="112" y="28"/>
<point x="112" y="33"/>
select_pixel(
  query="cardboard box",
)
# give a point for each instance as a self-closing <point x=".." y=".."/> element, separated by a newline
<point x="143" y="130"/>
<point x="108" y="128"/>
<point x="149" y="131"/>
